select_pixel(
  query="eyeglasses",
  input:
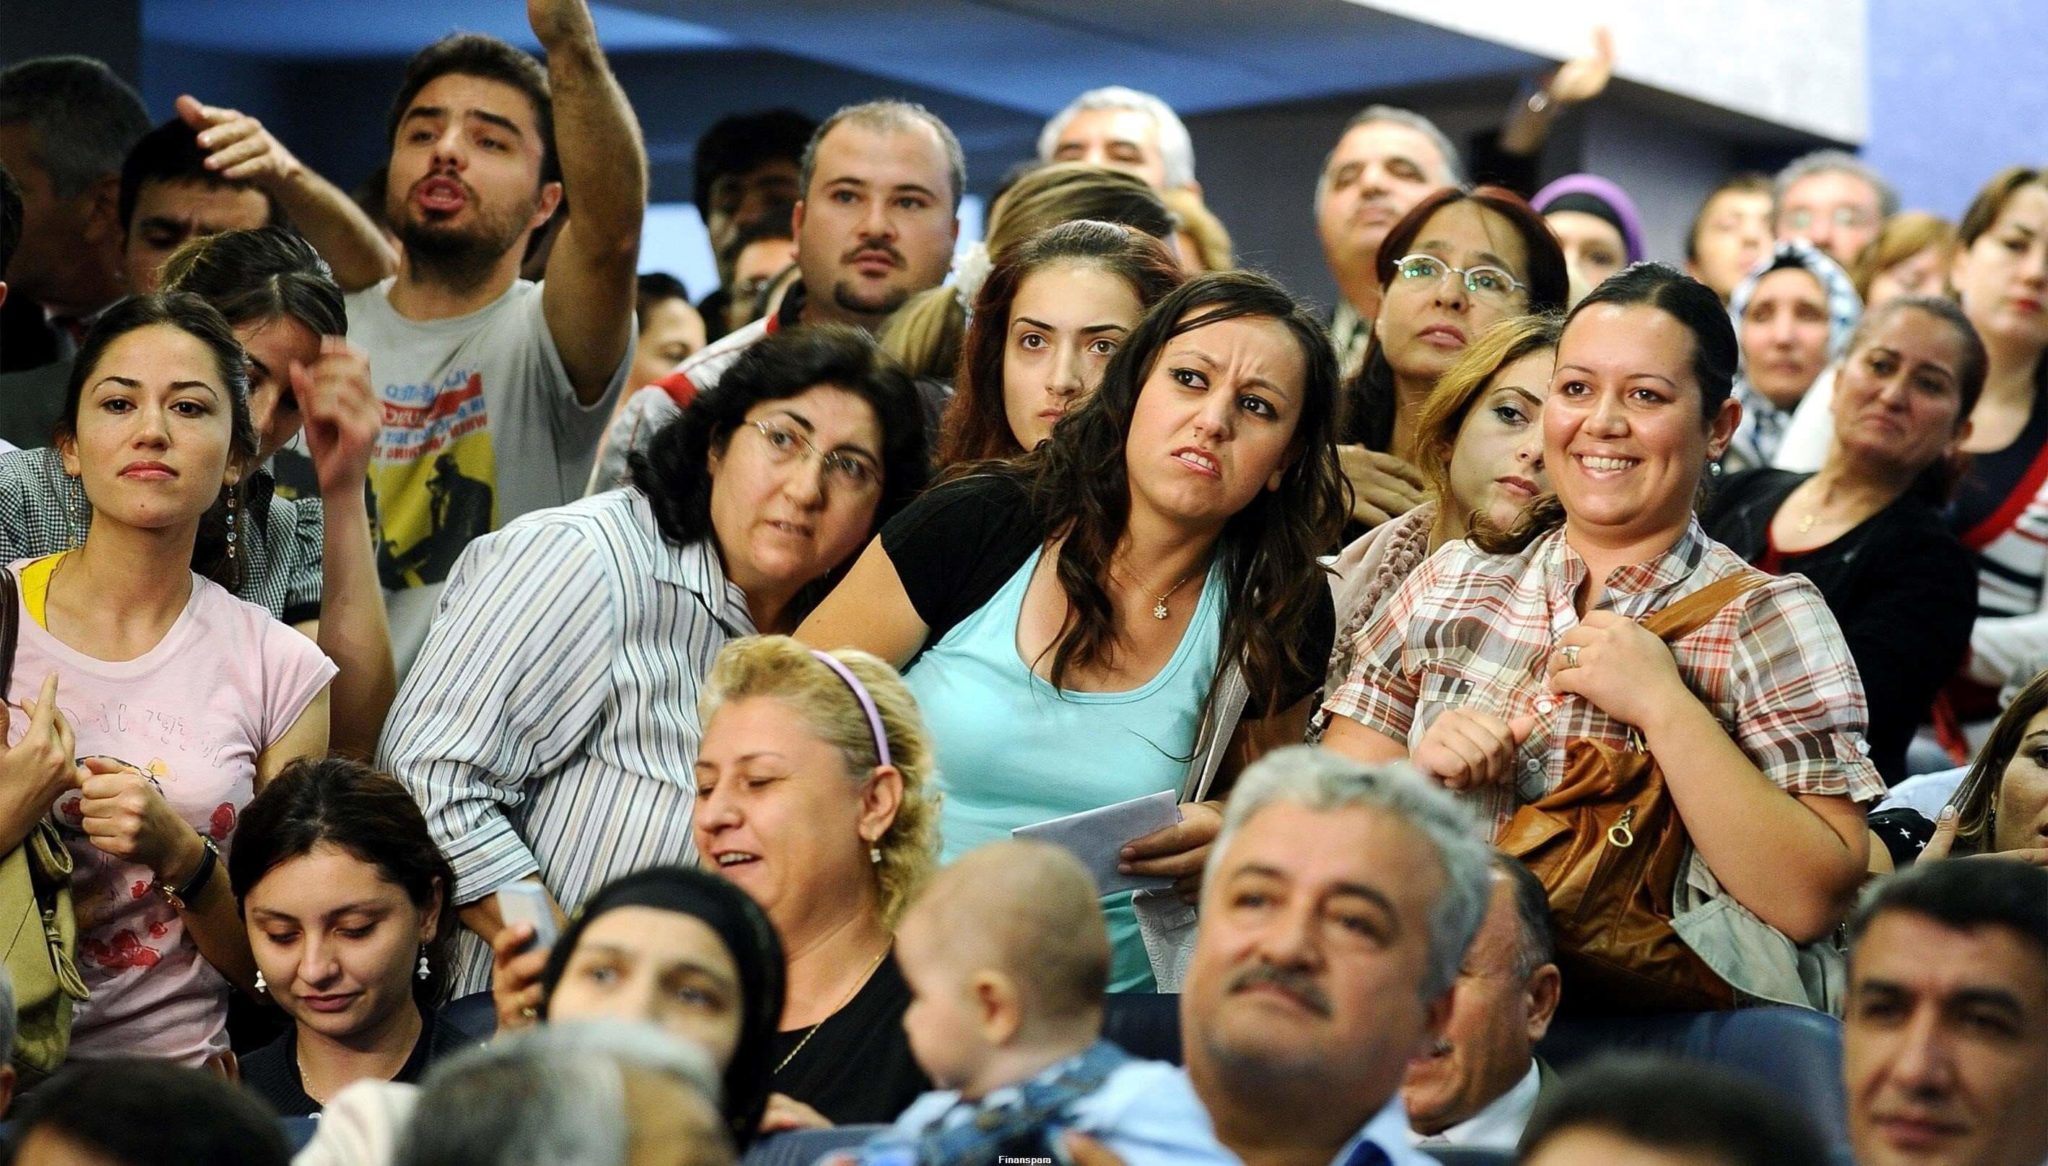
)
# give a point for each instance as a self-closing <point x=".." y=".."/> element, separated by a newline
<point x="855" y="472"/>
<point x="1483" y="281"/>
<point x="1803" y="218"/>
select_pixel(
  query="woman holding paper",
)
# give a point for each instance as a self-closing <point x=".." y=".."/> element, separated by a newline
<point x="1133" y="607"/>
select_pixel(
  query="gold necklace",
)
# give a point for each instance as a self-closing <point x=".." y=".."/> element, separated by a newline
<point x="851" y="993"/>
<point x="1159" y="609"/>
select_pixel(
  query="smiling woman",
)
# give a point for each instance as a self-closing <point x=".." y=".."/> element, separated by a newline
<point x="157" y="431"/>
<point x="1755" y="718"/>
<point x="1082" y="627"/>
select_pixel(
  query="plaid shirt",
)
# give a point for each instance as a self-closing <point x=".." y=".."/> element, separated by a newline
<point x="1468" y="628"/>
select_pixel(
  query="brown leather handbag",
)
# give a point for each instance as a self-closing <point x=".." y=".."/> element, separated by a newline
<point x="1608" y="845"/>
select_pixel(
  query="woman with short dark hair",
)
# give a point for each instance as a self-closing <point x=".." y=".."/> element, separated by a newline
<point x="550" y="725"/>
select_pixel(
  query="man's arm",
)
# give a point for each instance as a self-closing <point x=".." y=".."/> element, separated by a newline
<point x="239" y="148"/>
<point x="588" y="296"/>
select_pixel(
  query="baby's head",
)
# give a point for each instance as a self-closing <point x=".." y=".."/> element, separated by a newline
<point x="1007" y="959"/>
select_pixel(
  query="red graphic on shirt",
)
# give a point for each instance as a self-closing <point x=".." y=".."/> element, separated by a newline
<point x="140" y="889"/>
<point x="123" y="951"/>
<point x="444" y="406"/>
<point x="223" y="823"/>
<point x="69" y="810"/>
<point x="158" y="929"/>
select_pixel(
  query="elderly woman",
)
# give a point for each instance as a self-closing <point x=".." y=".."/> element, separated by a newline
<point x="1481" y="448"/>
<point x="1454" y="266"/>
<point x="1755" y="719"/>
<point x="1867" y="529"/>
<point x="1793" y="314"/>
<point x="551" y="722"/>
<point x="813" y="798"/>
<point x="1071" y="622"/>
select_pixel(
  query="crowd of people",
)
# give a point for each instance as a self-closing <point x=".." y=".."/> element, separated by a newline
<point x="458" y="688"/>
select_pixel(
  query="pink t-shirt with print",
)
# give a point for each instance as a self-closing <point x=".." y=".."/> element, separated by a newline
<point x="193" y="712"/>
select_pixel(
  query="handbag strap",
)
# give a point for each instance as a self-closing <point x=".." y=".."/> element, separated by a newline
<point x="10" y="627"/>
<point x="1691" y="613"/>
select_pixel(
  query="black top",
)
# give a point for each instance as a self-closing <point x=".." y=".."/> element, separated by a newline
<point x="1902" y="587"/>
<point x="272" y="1072"/>
<point x="857" y="1067"/>
<point x="956" y="545"/>
<point x="1993" y="476"/>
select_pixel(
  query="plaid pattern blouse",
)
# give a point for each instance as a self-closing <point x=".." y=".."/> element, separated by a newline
<point x="1469" y="628"/>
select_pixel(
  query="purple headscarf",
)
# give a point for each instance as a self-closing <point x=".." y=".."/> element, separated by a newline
<point x="1596" y="196"/>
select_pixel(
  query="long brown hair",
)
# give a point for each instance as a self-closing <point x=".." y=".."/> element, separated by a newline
<point x="975" y="426"/>
<point x="1975" y="799"/>
<point x="1267" y="550"/>
<point x="1444" y="413"/>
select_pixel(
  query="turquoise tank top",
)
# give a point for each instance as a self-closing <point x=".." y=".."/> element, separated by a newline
<point x="1014" y="750"/>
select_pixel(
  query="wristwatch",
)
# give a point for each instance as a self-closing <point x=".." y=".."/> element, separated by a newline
<point x="181" y="897"/>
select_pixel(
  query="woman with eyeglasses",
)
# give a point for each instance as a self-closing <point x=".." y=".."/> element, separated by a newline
<point x="550" y="726"/>
<point x="1456" y="265"/>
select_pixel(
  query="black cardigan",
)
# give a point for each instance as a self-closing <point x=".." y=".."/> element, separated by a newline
<point x="1900" y="584"/>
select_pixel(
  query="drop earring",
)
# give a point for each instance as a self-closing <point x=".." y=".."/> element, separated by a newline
<point x="875" y="855"/>
<point x="232" y="507"/>
<point x="424" y="971"/>
<point x="261" y="986"/>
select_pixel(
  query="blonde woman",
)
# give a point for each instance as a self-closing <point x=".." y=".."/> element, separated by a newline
<point x="1479" y="448"/>
<point x="813" y="784"/>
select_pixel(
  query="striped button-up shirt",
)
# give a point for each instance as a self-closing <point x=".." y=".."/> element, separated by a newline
<point x="1468" y="628"/>
<point x="550" y="724"/>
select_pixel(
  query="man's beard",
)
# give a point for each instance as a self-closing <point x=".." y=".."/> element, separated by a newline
<point x="461" y="259"/>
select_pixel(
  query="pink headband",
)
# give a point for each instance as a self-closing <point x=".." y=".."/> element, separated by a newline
<point x="867" y="703"/>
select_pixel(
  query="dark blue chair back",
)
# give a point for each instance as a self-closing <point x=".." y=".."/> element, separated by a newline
<point x="805" y="1147"/>
<point x="1794" y="1052"/>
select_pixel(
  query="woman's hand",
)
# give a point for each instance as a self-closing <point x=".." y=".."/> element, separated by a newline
<point x="343" y="415"/>
<point x="1627" y="672"/>
<point x="1464" y="748"/>
<point x="1382" y="486"/>
<point x="40" y="765"/>
<point x="515" y="977"/>
<point x="787" y="1113"/>
<point x="1177" y="852"/>
<point x="124" y="815"/>
<point x="1944" y="841"/>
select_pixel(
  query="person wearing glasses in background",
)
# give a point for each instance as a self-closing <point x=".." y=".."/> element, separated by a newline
<point x="551" y="723"/>
<point x="1454" y="266"/>
<point x="1833" y="201"/>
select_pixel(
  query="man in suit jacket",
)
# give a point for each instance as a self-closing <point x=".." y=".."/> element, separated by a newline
<point x="1478" y="1084"/>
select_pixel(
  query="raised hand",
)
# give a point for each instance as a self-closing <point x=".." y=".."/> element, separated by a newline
<point x="515" y="977"/>
<point x="1584" y="78"/>
<point x="560" y="21"/>
<point x="342" y="414"/>
<point x="237" y="146"/>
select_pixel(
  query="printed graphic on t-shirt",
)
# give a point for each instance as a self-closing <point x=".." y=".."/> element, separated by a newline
<point x="122" y="923"/>
<point x="435" y="477"/>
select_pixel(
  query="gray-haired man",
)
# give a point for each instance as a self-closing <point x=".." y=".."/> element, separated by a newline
<point x="1336" y="909"/>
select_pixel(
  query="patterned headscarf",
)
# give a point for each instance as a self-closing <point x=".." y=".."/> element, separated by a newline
<point x="1763" y="424"/>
